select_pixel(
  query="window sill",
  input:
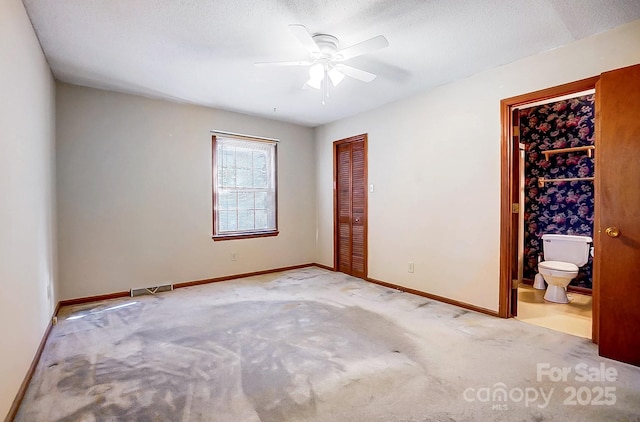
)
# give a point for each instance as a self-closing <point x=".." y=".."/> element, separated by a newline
<point x="244" y="235"/>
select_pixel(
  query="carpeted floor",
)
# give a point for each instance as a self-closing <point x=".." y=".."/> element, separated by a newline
<point x="312" y="345"/>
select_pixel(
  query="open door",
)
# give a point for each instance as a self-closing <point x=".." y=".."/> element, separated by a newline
<point x="517" y="208"/>
<point x="617" y="225"/>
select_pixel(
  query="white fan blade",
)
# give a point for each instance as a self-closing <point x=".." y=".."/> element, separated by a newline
<point x="298" y="63"/>
<point x="359" y="74"/>
<point x="372" y="44"/>
<point x="305" y="38"/>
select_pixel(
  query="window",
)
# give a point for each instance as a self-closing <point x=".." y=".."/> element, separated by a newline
<point x="244" y="188"/>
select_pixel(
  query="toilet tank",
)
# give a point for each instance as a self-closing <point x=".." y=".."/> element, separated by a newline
<point x="566" y="248"/>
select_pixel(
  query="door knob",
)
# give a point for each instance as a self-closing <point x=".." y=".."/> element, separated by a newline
<point x="612" y="231"/>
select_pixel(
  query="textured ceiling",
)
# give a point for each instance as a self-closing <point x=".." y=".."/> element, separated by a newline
<point x="202" y="51"/>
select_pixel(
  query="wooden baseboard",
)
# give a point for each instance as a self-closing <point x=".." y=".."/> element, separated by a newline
<point x="423" y="294"/>
<point x="578" y="289"/>
<point x="17" y="401"/>
<point x="234" y="276"/>
<point x="527" y="281"/>
<point x="89" y="299"/>
<point x="324" y="267"/>
<point x="436" y="297"/>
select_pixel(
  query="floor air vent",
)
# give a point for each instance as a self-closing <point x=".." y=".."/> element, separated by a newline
<point x="151" y="290"/>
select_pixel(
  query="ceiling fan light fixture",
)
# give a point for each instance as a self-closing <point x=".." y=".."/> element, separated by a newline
<point x="336" y="76"/>
<point x="316" y="72"/>
<point x="315" y="83"/>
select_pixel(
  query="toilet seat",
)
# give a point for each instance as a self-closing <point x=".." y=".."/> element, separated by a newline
<point x="558" y="268"/>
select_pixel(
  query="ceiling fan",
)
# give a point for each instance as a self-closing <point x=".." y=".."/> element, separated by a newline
<point x="326" y="61"/>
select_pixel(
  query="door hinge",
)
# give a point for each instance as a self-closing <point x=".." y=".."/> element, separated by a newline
<point x="515" y="208"/>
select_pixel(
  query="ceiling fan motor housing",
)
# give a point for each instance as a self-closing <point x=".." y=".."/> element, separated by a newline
<point x="327" y="44"/>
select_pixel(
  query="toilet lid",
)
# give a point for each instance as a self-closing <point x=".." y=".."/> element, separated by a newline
<point x="558" y="266"/>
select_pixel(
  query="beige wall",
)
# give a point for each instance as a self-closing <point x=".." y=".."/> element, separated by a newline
<point x="27" y="198"/>
<point x="134" y="185"/>
<point x="434" y="161"/>
<point x="134" y="193"/>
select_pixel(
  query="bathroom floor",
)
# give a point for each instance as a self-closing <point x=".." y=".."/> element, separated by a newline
<point x="572" y="318"/>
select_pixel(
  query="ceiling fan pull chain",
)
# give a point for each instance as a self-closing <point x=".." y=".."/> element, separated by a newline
<point x="325" y="88"/>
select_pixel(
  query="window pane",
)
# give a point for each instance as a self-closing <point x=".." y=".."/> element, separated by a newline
<point x="259" y="169"/>
<point x="244" y="178"/>
<point x="222" y="220"/>
<point x="261" y="219"/>
<point x="228" y="178"/>
<point x="227" y="166"/>
<point x="228" y="157"/>
<point x="261" y="200"/>
<point x="243" y="158"/>
<point x="245" y="200"/>
<point x="246" y="220"/>
<point x="260" y="179"/>
<point x="228" y="200"/>
<point x="228" y="221"/>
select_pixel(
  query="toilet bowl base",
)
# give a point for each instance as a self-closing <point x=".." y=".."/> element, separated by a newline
<point x="538" y="282"/>
<point x="556" y="294"/>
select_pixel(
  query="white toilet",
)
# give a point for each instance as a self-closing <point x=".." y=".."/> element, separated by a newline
<point x="563" y="255"/>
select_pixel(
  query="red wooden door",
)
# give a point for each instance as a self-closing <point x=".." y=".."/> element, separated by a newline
<point x="351" y="206"/>
<point x="617" y="234"/>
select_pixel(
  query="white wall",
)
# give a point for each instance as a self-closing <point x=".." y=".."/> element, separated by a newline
<point x="27" y="198"/>
<point x="434" y="160"/>
<point x="134" y="193"/>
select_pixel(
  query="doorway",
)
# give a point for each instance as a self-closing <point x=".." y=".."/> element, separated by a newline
<point x="350" y="205"/>
<point x="511" y="263"/>
<point x="555" y="178"/>
<point x="616" y="234"/>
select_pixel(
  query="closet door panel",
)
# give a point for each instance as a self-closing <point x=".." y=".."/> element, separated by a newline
<point x="344" y="208"/>
<point x="351" y="206"/>
<point x="358" y="208"/>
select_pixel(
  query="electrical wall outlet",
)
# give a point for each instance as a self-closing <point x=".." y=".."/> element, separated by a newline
<point x="410" y="267"/>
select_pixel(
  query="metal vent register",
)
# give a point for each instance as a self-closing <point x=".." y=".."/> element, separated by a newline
<point x="151" y="290"/>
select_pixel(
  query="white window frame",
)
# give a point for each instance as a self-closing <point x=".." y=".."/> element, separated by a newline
<point x="231" y="144"/>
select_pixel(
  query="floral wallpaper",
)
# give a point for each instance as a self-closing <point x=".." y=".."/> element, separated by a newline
<point x="559" y="208"/>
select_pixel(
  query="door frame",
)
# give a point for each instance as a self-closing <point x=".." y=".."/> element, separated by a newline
<point x="362" y="137"/>
<point x="509" y="179"/>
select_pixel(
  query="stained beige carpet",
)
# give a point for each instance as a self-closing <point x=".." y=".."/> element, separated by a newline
<point x="312" y="345"/>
